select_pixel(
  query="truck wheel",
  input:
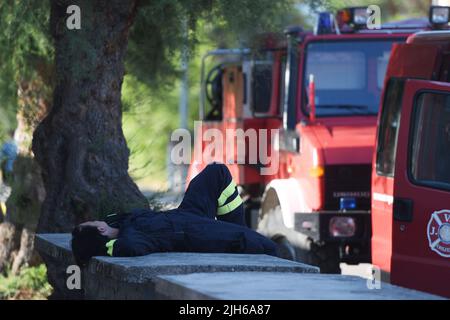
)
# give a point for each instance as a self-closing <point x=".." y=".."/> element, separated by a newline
<point x="285" y="248"/>
<point x="326" y="257"/>
<point x="271" y="224"/>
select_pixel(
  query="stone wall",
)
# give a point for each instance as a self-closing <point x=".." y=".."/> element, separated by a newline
<point x="203" y="276"/>
<point x="134" y="277"/>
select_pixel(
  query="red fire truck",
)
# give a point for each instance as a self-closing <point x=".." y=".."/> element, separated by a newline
<point x="411" y="171"/>
<point x="320" y="90"/>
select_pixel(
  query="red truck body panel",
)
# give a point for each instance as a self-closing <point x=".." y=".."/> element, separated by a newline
<point x="414" y="263"/>
<point x="400" y="247"/>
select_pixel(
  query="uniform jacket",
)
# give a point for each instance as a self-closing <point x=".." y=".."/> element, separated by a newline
<point x="144" y="231"/>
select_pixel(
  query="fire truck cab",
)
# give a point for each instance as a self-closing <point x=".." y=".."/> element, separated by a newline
<point x="317" y="96"/>
<point x="411" y="170"/>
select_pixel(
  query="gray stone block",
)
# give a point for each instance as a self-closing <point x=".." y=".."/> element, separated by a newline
<point x="203" y="276"/>
<point x="133" y="277"/>
<point x="278" y="286"/>
<point x="55" y="250"/>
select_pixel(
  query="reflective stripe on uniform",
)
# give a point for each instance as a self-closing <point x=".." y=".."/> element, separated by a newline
<point x="229" y="206"/>
<point x="109" y="247"/>
<point x="3" y="208"/>
<point x="226" y="193"/>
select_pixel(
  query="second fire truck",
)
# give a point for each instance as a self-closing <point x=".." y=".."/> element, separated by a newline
<point x="321" y="91"/>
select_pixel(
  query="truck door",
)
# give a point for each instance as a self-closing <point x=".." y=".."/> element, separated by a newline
<point x="383" y="176"/>
<point x="421" y="204"/>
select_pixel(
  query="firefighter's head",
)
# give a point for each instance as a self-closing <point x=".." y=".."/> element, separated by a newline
<point x="87" y="242"/>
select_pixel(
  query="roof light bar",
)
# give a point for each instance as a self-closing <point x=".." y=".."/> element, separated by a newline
<point x="360" y="16"/>
<point x="326" y="24"/>
<point x="352" y="18"/>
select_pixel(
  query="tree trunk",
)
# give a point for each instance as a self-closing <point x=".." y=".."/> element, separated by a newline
<point x="27" y="190"/>
<point x="80" y="145"/>
<point x="26" y="256"/>
<point x="23" y="207"/>
<point x="10" y="243"/>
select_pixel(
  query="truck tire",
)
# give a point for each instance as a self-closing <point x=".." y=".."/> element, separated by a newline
<point x="324" y="256"/>
<point x="285" y="249"/>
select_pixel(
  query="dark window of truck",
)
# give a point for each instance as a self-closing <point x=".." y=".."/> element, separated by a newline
<point x="261" y="87"/>
<point x="430" y="145"/>
<point x="389" y="125"/>
<point x="348" y="76"/>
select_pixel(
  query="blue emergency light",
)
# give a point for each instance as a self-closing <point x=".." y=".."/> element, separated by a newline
<point x="325" y="24"/>
<point x="347" y="203"/>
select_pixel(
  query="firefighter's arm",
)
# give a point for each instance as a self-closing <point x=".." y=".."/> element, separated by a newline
<point x="132" y="243"/>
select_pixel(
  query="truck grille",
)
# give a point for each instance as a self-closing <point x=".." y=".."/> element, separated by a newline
<point x="348" y="181"/>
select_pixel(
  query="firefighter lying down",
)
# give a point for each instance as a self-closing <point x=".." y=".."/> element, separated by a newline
<point x="209" y="219"/>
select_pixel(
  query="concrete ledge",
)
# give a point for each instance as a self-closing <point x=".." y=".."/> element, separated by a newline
<point x="278" y="286"/>
<point x="133" y="278"/>
<point x="55" y="250"/>
<point x="203" y="276"/>
<point x="137" y="269"/>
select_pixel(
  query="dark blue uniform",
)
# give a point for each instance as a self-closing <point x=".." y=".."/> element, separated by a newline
<point x="209" y="219"/>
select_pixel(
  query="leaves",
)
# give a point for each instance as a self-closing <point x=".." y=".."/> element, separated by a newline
<point x="26" y="48"/>
<point x="158" y="36"/>
<point x="31" y="283"/>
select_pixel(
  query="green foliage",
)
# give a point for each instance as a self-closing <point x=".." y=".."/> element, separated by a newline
<point x="25" y="48"/>
<point x="24" y="36"/>
<point x="164" y="28"/>
<point x="31" y="283"/>
<point x="147" y="123"/>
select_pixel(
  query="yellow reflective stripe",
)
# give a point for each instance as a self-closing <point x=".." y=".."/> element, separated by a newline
<point x="229" y="206"/>
<point x="109" y="246"/>
<point x="226" y="193"/>
<point x="3" y="208"/>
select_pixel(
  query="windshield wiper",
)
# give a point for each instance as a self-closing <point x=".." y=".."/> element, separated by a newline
<point x="343" y="106"/>
<point x="355" y="109"/>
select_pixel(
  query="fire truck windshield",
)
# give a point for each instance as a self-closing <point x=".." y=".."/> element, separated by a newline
<point x="348" y="76"/>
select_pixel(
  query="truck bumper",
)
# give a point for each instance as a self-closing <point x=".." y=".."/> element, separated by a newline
<point x="353" y="249"/>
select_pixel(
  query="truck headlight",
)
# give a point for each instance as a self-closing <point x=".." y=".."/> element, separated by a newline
<point x="439" y="15"/>
<point x="342" y="227"/>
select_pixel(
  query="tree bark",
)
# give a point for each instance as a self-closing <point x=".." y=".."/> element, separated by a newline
<point x="27" y="190"/>
<point x="10" y="243"/>
<point x="80" y="145"/>
<point x="26" y="256"/>
<point x="23" y="208"/>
